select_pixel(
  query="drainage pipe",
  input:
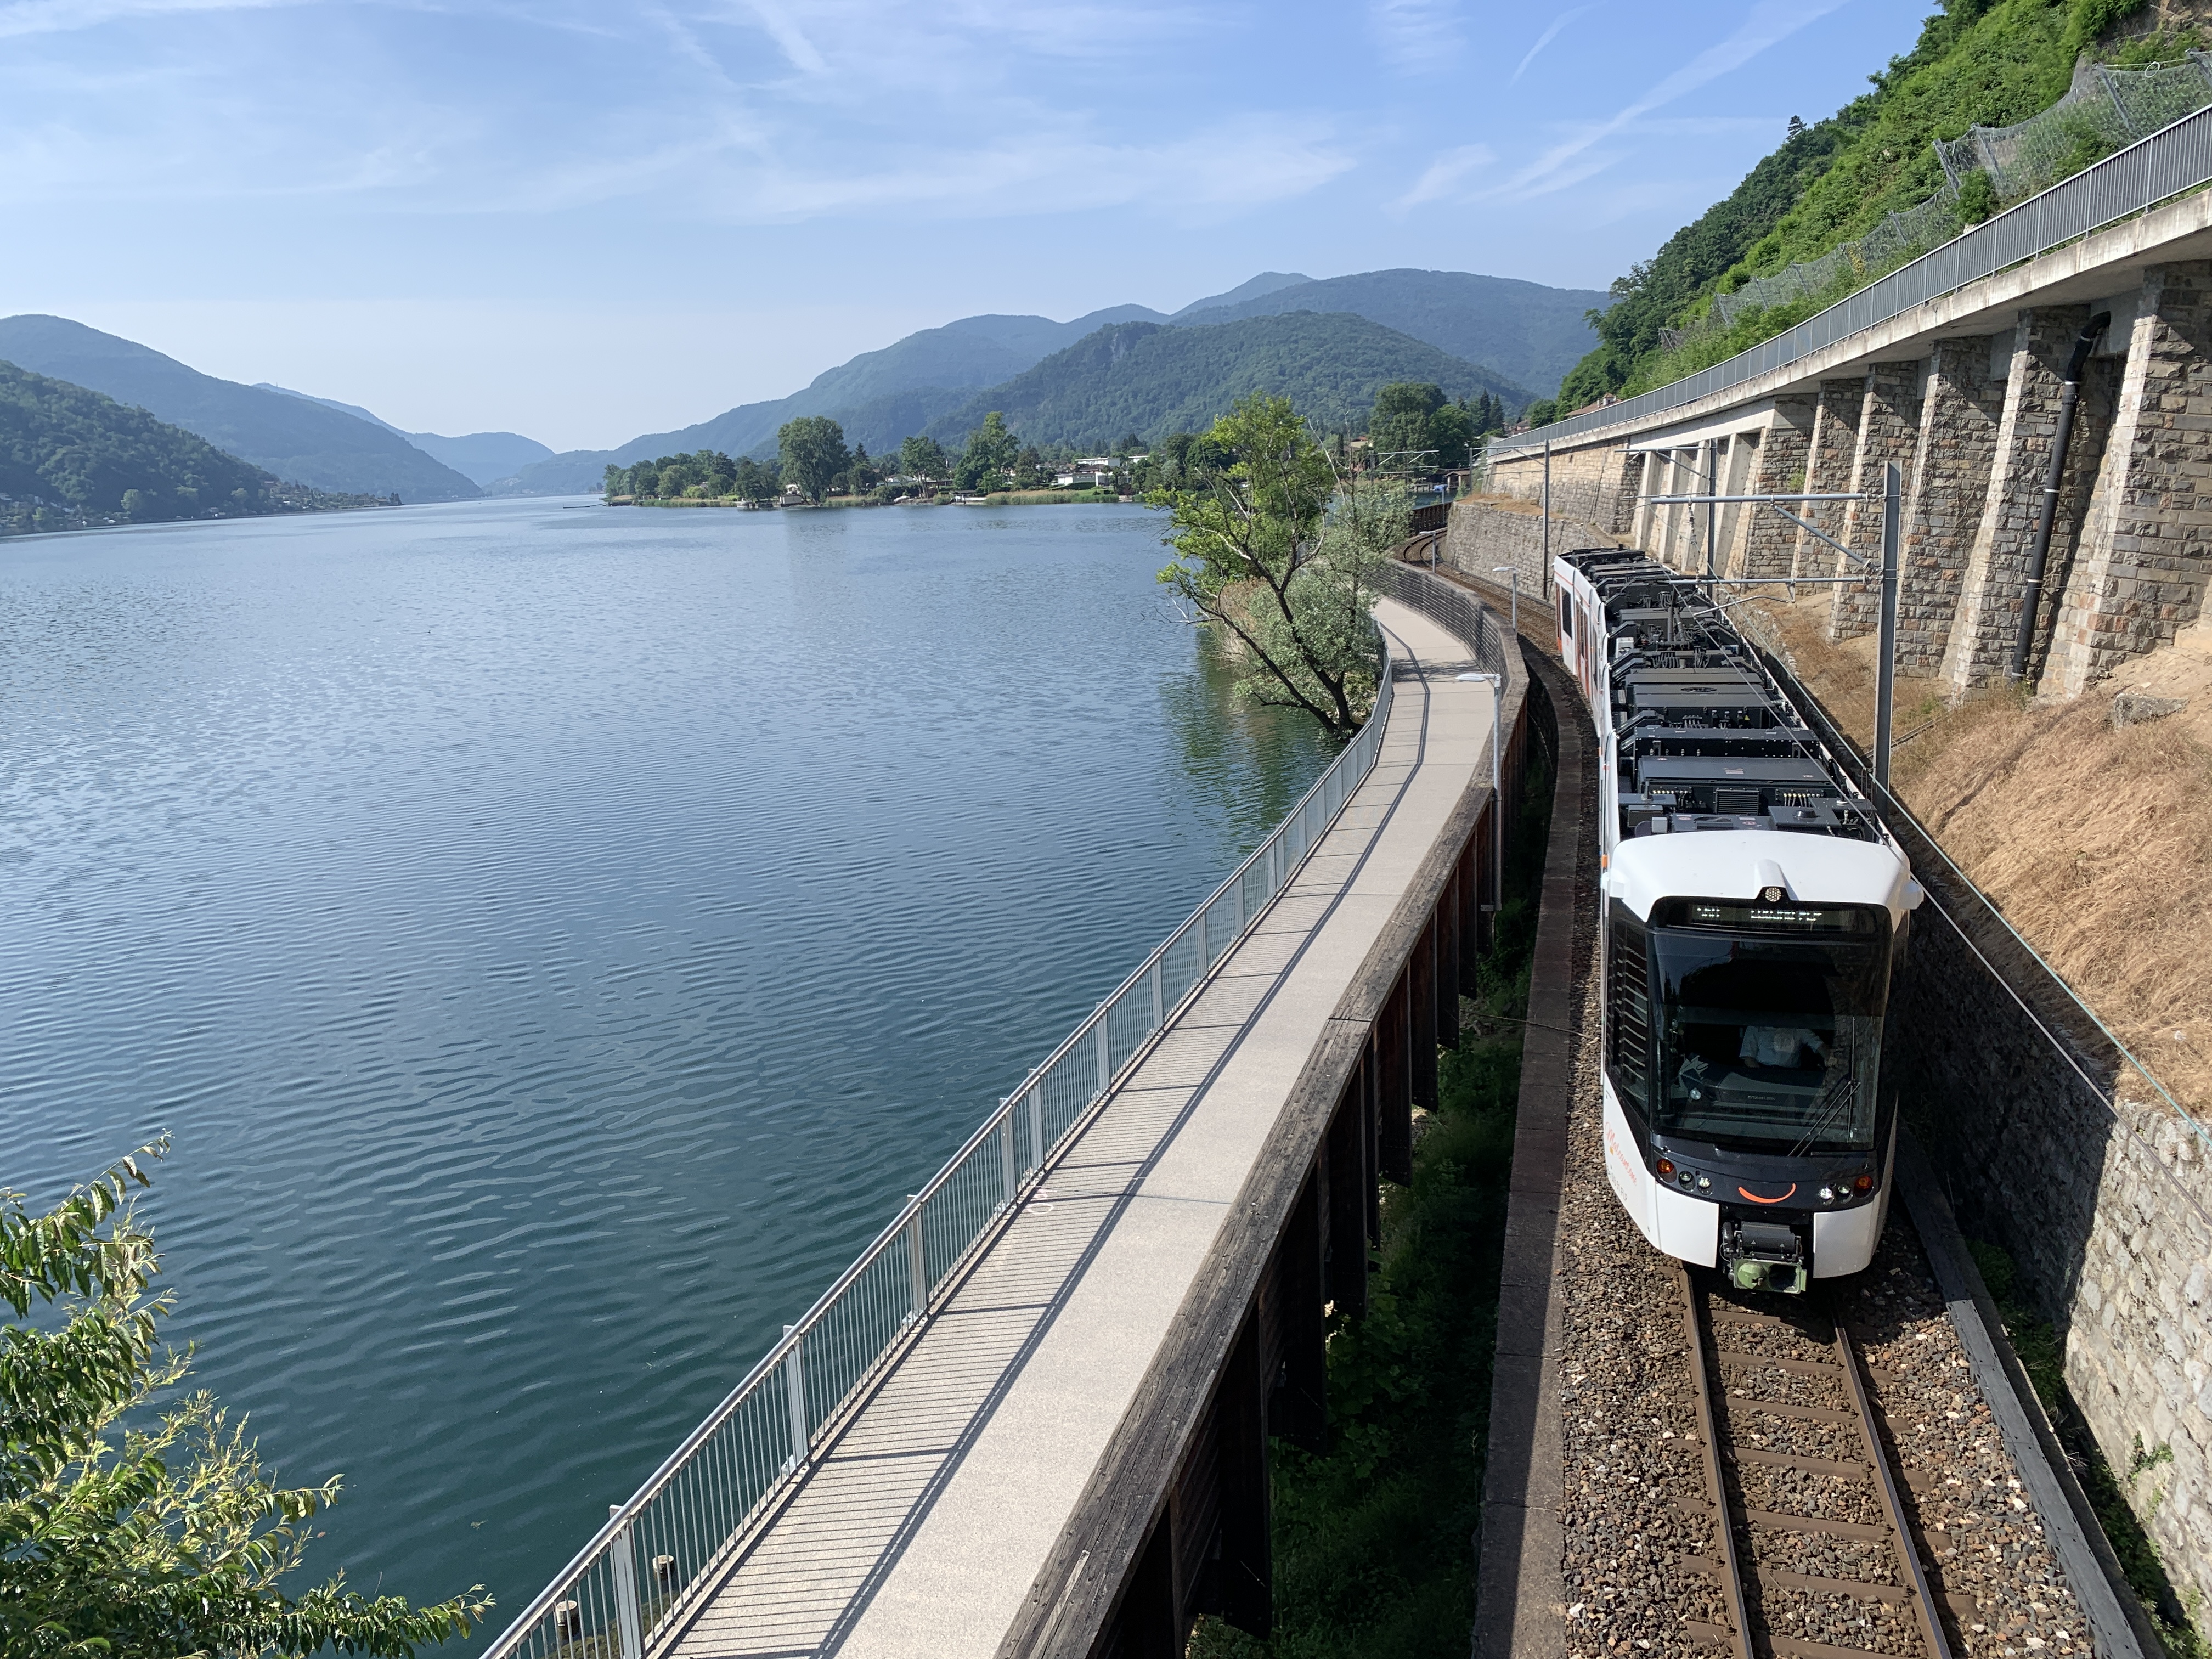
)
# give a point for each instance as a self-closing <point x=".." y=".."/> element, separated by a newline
<point x="2069" y="396"/>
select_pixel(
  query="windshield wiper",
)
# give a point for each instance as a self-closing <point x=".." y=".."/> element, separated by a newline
<point x="1842" y="1093"/>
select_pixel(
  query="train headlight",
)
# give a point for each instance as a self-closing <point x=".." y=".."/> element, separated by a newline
<point x="1666" y="1166"/>
<point x="1704" y="1182"/>
<point x="1827" y="1194"/>
<point x="1864" y="1183"/>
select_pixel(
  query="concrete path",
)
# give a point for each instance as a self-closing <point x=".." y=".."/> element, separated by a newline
<point x="923" y="1525"/>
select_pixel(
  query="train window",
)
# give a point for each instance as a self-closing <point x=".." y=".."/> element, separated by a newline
<point x="1767" y="1041"/>
<point x="1566" y="613"/>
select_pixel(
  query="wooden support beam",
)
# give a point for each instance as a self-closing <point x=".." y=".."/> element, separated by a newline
<point x="1298" y="1403"/>
<point x="1422" y="1026"/>
<point x="1345" y="1162"/>
<point x="1448" y="941"/>
<point x="1393" y="1107"/>
<point x="1244" y="1570"/>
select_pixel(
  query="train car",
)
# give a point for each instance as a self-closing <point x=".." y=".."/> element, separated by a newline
<point x="1753" y="911"/>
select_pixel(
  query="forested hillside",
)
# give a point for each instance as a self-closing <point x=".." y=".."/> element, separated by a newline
<point x="296" y="438"/>
<point x="1528" y="334"/>
<point x="1143" y="379"/>
<point x="879" y="396"/>
<point x="1985" y="62"/>
<point x="70" y="457"/>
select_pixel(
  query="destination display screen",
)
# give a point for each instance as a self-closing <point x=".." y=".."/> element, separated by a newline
<point x="1737" y="915"/>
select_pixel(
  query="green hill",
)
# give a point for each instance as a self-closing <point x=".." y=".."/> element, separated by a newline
<point x="296" y="438"/>
<point x="881" y="397"/>
<point x="71" y="457"/>
<point x="1151" y="380"/>
<point x="1525" y="332"/>
<point x="1985" y="62"/>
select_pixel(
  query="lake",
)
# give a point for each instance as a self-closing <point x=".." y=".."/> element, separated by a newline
<point x="556" y="938"/>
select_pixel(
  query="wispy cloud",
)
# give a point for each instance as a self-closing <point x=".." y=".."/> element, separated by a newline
<point x="1569" y="162"/>
<point x="1545" y="39"/>
<point x="1417" y="35"/>
<point x="1446" y="175"/>
<point x="32" y="17"/>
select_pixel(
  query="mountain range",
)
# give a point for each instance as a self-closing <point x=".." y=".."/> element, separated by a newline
<point x="70" y="457"/>
<point x="1149" y="380"/>
<point x="1141" y="371"/>
<point x="480" y="457"/>
<point x="1522" y="336"/>
<point x="298" y="440"/>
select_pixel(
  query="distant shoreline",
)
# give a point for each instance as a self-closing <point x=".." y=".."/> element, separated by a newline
<point x="996" y="498"/>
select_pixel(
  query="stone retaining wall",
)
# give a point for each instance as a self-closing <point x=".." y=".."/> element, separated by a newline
<point x="1481" y="535"/>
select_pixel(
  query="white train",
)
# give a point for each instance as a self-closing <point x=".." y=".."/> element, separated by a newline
<point x="1754" y="909"/>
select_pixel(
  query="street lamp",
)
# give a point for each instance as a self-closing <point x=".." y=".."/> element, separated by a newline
<point x="1512" y="576"/>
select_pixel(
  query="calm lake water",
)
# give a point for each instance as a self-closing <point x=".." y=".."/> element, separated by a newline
<point x="556" y="939"/>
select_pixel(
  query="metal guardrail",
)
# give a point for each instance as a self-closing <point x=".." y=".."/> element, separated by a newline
<point x="2173" y="160"/>
<point x="663" y="1551"/>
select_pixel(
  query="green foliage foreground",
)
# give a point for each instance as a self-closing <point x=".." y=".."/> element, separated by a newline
<point x="1374" y="1541"/>
<point x="132" y="1528"/>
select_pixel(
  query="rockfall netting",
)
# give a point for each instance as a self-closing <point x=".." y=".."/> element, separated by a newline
<point x="2104" y="110"/>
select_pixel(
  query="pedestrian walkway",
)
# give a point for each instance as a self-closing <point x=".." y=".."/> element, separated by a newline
<point x="925" y="1521"/>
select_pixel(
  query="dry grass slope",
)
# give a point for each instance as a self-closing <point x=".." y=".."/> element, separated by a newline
<point x="2095" y="843"/>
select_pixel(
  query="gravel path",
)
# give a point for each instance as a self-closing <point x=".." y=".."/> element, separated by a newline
<point x="1638" y="1528"/>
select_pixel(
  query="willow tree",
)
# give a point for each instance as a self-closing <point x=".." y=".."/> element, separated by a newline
<point x="1283" y="553"/>
<point x="129" y="1525"/>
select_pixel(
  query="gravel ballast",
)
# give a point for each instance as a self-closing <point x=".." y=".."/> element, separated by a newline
<point x="1639" y="1571"/>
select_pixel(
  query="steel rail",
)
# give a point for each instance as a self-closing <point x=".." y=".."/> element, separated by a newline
<point x="1693" y="1330"/>
<point x="1892" y="1505"/>
<point x="1896" y="1530"/>
<point x="593" y="1609"/>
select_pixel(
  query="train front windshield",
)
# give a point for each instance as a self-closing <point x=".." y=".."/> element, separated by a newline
<point x="1770" y="1040"/>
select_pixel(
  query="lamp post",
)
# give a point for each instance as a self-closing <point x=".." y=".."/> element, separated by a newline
<point x="1512" y="576"/>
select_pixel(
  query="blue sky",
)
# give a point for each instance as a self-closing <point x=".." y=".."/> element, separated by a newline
<point x="583" y="220"/>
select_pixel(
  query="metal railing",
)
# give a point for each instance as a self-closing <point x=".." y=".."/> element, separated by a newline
<point x="2176" y="159"/>
<point x="665" y="1550"/>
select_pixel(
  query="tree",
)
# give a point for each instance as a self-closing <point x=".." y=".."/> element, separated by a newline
<point x="813" y="452"/>
<point x="616" y="482"/>
<point x="167" y="1536"/>
<point x="1401" y="433"/>
<point x="755" y="482"/>
<point x="1283" y="555"/>
<point x="923" y="458"/>
<point x="989" y="455"/>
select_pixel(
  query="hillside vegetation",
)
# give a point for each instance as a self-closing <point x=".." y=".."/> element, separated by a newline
<point x="1977" y="61"/>
<point x="296" y="438"/>
<point x="1522" y="335"/>
<point x="1149" y="381"/>
<point x="1522" y="332"/>
<point x="70" y="457"/>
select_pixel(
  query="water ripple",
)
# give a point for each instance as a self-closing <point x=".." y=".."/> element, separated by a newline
<point x="556" y="940"/>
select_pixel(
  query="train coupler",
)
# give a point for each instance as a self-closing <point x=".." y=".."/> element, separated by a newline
<point x="1766" y="1256"/>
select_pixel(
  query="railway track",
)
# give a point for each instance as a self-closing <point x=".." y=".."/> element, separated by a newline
<point x="1813" y="1550"/>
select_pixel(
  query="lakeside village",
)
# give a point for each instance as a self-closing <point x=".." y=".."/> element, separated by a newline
<point x="1414" y="431"/>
